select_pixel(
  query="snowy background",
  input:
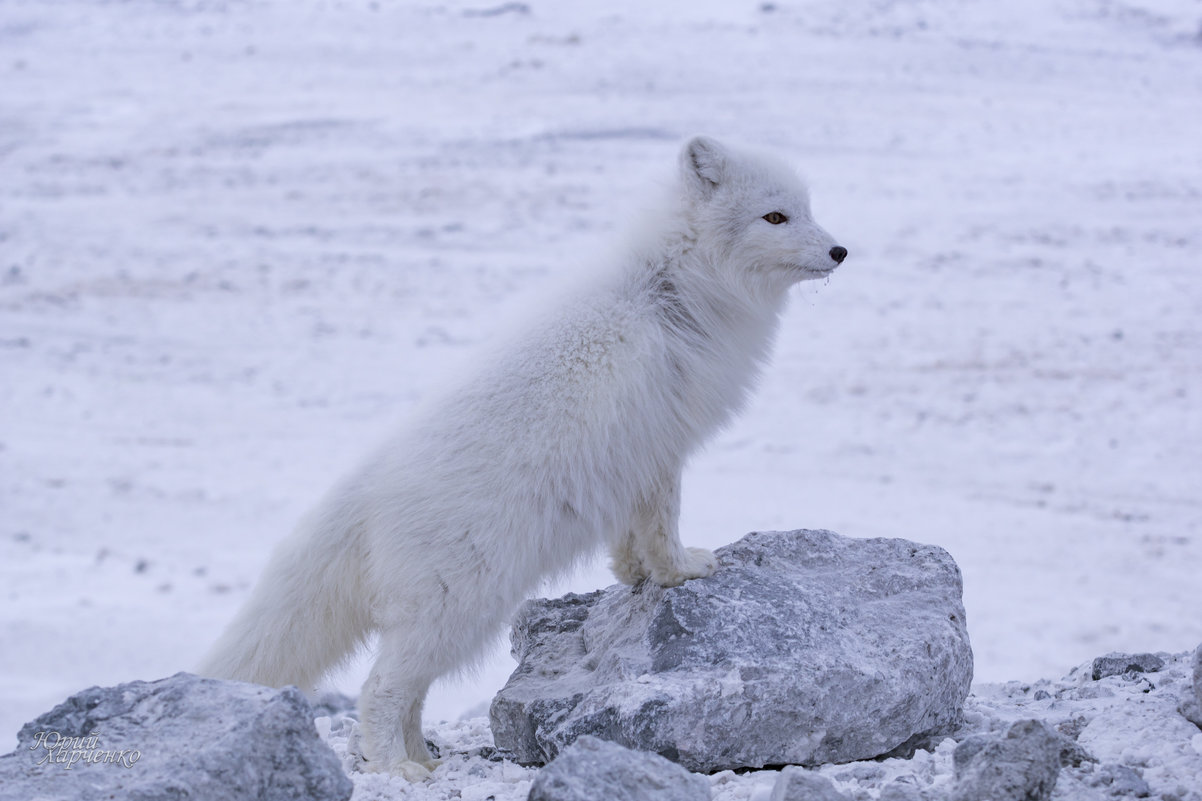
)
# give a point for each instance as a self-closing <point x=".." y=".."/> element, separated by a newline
<point x="238" y="240"/>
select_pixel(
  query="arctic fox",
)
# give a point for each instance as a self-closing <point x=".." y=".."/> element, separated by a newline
<point x="573" y="438"/>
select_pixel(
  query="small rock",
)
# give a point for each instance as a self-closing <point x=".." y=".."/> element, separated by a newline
<point x="182" y="737"/>
<point x="1020" y="766"/>
<point x="902" y="790"/>
<point x="592" y="769"/>
<point x="799" y="784"/>
<point x="1072" y="753"/>
<point x="332" y="703"/>
<point x="1073" y="727"/>
<point x="968" y="748"/>
<point x="1121" y="781"/>
<point x="1116" y="664"/>
<point x="804" y="648"/>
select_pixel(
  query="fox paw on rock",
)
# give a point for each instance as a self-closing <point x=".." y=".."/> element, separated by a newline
<point x="698" y="563"/>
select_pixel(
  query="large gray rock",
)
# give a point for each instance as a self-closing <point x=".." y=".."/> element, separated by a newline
<point x="803" y="648"/>
<point x="182" y="737"/>
<point x="592" y="769"/>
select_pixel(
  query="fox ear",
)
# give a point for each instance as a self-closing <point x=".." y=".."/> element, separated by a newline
<point x="703" y="163"/>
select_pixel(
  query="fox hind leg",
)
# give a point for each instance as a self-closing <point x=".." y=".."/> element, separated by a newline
<point x="390" y="711"/>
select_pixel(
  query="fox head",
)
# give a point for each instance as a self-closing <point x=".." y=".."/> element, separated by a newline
<point x="752" y="213"/>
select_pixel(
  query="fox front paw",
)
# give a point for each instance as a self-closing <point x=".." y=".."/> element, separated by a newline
<point x="698" y="563"/>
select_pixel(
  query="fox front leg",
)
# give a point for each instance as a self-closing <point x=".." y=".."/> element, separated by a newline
<point x="651" y="548"/>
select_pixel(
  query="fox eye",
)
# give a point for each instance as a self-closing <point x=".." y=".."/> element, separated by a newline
<point x="776" y="218"/>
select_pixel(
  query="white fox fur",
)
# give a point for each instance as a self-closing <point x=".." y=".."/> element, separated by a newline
<point x="573" y="438"/>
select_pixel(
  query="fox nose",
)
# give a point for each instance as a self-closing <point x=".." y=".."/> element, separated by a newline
<point x="838" y="253"/>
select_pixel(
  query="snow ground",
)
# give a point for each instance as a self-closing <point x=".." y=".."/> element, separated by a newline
<point x="239" y="240"/>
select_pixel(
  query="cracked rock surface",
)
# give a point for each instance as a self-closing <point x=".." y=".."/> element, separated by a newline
<point x="804" y="648"/>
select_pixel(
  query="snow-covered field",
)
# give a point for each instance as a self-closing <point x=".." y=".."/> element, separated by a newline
<point x="238" y="240"/>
